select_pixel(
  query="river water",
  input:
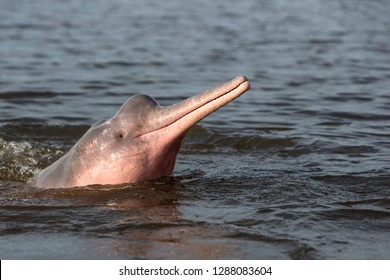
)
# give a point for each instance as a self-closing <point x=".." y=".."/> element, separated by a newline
<point x="296" y="168"/>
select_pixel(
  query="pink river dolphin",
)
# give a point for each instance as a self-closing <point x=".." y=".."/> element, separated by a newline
<point x="140" y="142"/>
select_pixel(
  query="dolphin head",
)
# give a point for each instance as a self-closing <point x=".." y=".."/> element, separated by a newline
<point x="141" y="141"/>
<point x="134" y="145"/>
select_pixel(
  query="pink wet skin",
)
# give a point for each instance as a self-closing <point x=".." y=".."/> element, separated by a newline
<point x="140" y="142"/>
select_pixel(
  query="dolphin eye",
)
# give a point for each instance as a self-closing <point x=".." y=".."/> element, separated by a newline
<point x="120" y="135"/>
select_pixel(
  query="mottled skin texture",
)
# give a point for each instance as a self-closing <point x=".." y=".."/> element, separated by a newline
<point x="140" y="142"/>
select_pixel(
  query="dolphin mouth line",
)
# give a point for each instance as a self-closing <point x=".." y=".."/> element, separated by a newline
<point x="230" y="94"/>
<point x="201" y="106"/>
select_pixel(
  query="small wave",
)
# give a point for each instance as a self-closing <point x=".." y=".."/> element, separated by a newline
<point x="354" y="116"/>
<point x="356" y="180"/>
<point x="382" y="202"/>
<point x="27" y="26"/>
<point x="325" y="41"/>
<point x="201" y="138"/>
<point x="11" y="95"/>
<point x="359" y="214"/>
<point x="297" y="250"/>
<point x="120" y="64"/>
<point x="350" y="96"/>
<point x="13" y="208"/>
<point x="18" y="160"/>
<point x="25" y="148"/>
<point x="259" y="237"/>
<point x="44" y="133"/>
<point x="360" y="116"/>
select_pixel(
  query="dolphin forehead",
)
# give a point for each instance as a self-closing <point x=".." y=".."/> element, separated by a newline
<point x="138" y="115"/>
<point x="136" y="103"/>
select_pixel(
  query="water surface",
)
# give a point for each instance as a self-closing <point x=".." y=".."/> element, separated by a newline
<point x="297" y="168"/>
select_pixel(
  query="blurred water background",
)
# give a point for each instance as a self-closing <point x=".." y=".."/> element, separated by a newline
<point x="297" y="168"/>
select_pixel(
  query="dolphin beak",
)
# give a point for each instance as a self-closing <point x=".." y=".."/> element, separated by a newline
<point x="185" y="114"/>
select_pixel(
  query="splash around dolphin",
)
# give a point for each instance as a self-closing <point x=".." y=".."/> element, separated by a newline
<point x="140" y="142"/>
